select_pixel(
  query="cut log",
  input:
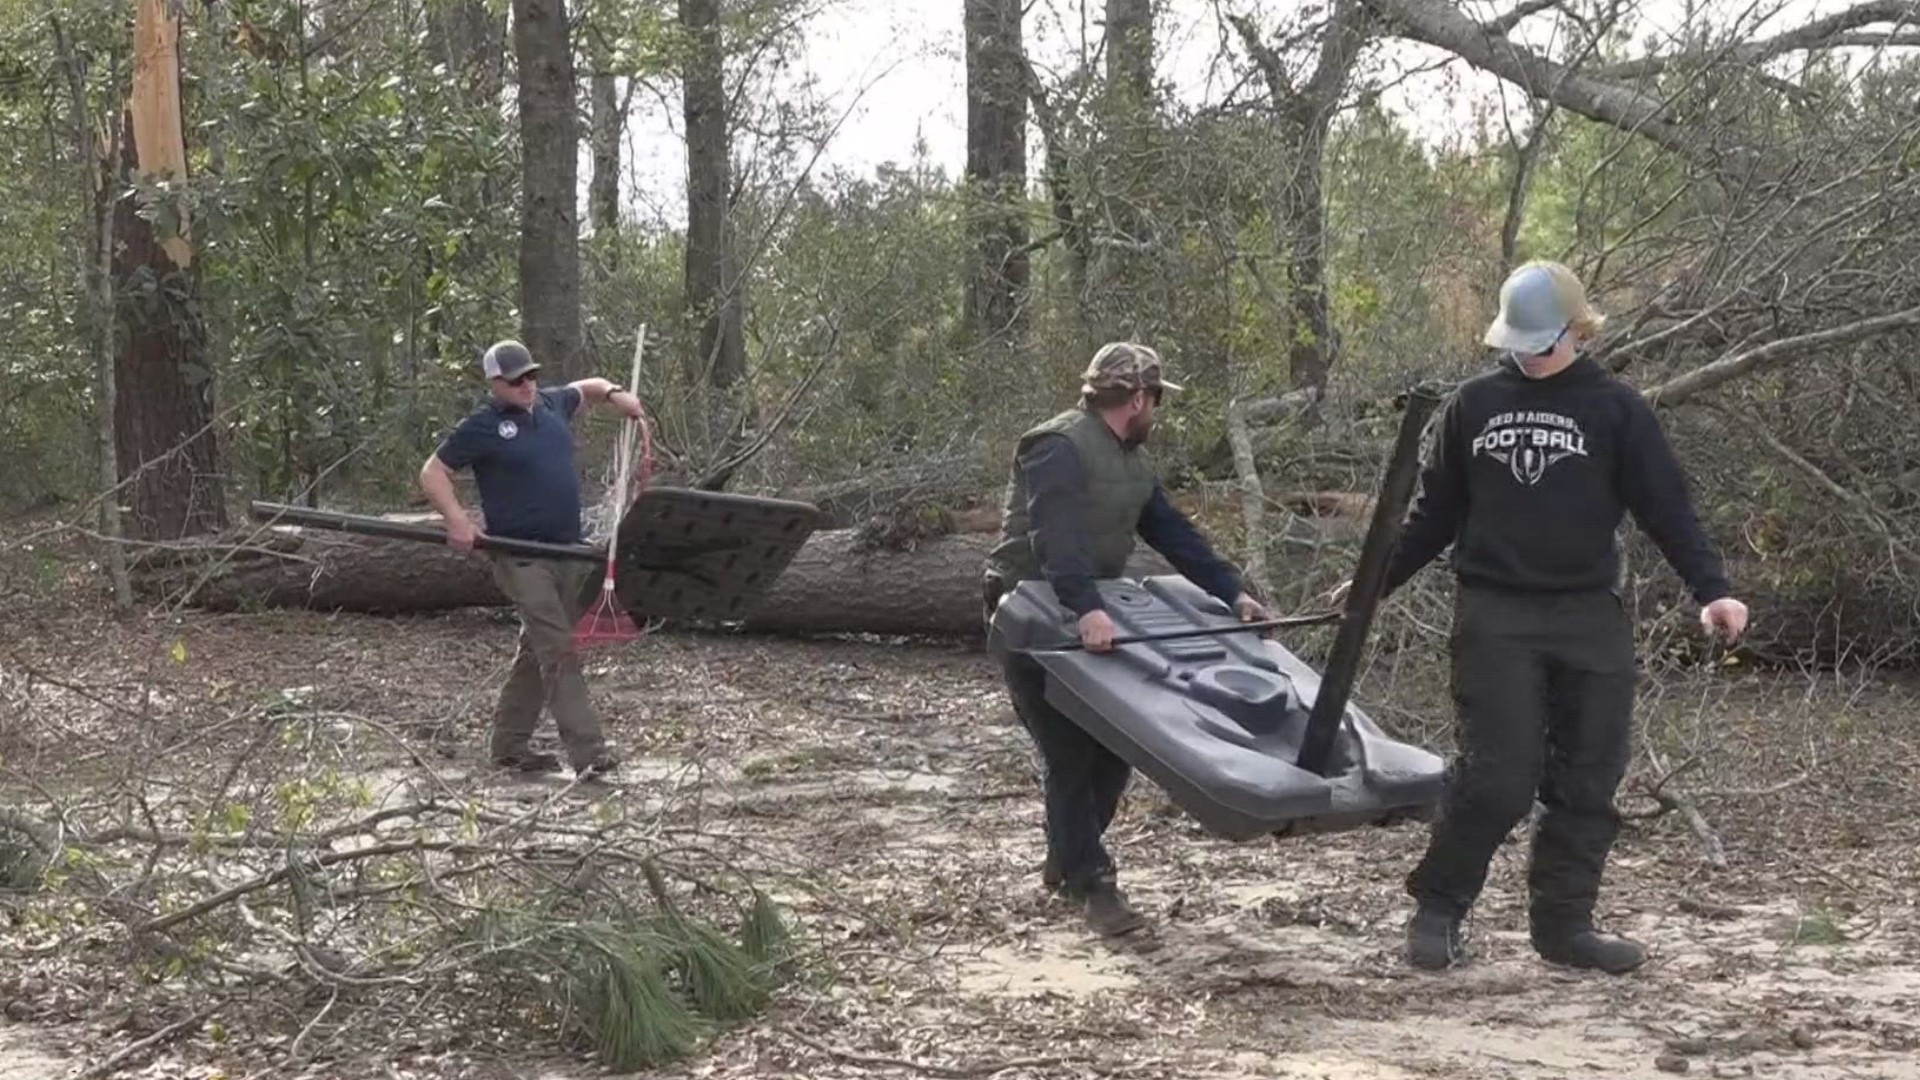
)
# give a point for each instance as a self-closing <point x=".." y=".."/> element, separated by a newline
<point x="840" y="582"/>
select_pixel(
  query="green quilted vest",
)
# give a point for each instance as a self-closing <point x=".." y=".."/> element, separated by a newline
<point x="1120" y="480"/>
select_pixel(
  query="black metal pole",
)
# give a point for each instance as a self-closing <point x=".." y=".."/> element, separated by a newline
<point x="1369" y="579"/>
<point x="1205" y="631"/>
<point x="432" y="534"/>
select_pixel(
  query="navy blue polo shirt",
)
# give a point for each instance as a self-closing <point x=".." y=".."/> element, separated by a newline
<point x="522" y="462"/>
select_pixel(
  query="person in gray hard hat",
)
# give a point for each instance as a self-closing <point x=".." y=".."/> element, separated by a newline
<point x="1082" y="489"/>
<point x="1533" y="467"/>
<point x="520" y="447"/>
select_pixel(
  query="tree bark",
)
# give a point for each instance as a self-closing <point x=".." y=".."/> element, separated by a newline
<point x="1253" y="500"/>
<point x="1130" y="51"/>
<point x="1126" y="293"/>
<point x="550" y="309"/>
<point x="471" y="41"/>
<point x="997" y="90"/>
<point x="164" y="436"/>
<point x="96" y="277"/>
<point x="603" y="191"/>
<point x="1067" y="225"/>
<point x="715" y="294"/>
<point x="1304" y="118"/>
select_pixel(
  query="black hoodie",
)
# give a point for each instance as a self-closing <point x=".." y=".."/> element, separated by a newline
<point x="1529" y="479"/>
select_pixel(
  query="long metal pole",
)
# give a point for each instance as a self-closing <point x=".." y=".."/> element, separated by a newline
<point x="1369" y="579"/>
<point x="398" y="530"/>
<point x="1207" y="631"/>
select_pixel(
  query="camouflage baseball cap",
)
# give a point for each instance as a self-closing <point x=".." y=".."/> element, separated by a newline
<point x="1124" y="365"/>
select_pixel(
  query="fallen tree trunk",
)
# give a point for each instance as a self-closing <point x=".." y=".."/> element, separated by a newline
<point x="839" y="582"/>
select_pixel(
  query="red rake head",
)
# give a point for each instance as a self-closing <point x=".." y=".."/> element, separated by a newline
<point x="606" y="624"/>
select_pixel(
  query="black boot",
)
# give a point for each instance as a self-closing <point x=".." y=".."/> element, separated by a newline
<point x="528" y="761"/>
<point x="1434" y="941"/>
<point x="1584" y="947"/>
<point x="1051" y="877"/>
<point x="1106" y="909"/>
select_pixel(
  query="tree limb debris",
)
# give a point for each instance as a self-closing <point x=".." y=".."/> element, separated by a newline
<point x="1682" y="387"/>
<point x="124" y="1056"/>
<point x="1826" y="32"/>
<point x="1444" y="26"/>
<point x="1669" y="802"/>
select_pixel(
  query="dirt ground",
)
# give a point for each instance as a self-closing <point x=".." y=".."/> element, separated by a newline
<point x="890" y="784"/>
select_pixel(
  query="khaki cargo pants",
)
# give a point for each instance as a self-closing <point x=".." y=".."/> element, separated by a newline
<point x="551" y="595"/>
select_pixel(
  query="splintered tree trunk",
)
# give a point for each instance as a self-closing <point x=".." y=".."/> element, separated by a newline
<point x="997" y="171"/>
<point x="713" y="289"/>
<point x="164" y="437"/>
<point x="549" y="217"/>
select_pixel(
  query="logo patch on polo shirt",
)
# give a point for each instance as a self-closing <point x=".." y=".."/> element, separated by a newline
<point x="508" y="429"/>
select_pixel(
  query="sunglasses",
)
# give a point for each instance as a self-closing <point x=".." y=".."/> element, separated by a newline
<point x="519" y="380"/>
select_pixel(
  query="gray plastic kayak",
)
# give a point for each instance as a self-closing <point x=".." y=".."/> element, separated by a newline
<point x="1216" y="721"/>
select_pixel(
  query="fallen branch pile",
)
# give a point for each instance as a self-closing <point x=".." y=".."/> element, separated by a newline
<point x="253" y="880"/>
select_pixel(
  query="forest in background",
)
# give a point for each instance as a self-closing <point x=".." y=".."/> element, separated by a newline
<point x="282" y="297"/>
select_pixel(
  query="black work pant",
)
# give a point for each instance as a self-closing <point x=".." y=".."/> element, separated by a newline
<point x="1543" y="686"/>
<point x="1083" y="781"/>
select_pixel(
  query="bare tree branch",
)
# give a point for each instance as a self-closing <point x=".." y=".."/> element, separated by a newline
<point x="1525" y="159"/>
<point x="1268" y="61"/>
<point x="1824" y="33"/>
<point x="1443" y="26"/>
<point x="1852" y="498"/>
<point x="1677" y="390"/>
<point x="1521" y="13"/>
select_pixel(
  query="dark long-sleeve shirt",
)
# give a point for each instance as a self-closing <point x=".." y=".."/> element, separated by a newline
<point x="1529" y="479"/>
<point x="1056" y="488"/>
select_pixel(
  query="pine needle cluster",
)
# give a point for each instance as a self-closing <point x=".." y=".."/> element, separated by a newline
<point x="645" y="989"/>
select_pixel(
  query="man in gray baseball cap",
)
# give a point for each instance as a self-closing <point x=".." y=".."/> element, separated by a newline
<point x="507" y="360"/>
<point x="1082" y="490"/>
<point x="520" y="448"/>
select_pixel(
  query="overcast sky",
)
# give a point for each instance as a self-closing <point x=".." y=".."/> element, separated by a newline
<point x="896" y="70"/>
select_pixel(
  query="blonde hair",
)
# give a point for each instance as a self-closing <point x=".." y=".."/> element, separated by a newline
<point x="1586" y="320"/>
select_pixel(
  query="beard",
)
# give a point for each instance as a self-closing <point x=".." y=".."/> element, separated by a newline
<point x="1139" y="427"/>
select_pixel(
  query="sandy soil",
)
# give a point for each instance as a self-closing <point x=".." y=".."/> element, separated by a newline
<point x="891" y="783"/>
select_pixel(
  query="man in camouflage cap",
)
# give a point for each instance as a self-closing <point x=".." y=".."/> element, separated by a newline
<point x="1125" y="364"/>
<point x="1082" y="488"/>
